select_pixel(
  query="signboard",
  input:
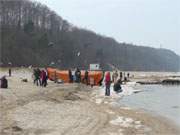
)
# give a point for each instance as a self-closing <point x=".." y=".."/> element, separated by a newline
<point x="94" y="67"/>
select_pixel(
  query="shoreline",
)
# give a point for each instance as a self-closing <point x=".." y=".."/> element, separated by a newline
<point x="71" y="109"/>
<point x="155" y="116"/>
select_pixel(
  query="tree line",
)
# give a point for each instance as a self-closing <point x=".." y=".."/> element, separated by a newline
<point x="32" y="34"/>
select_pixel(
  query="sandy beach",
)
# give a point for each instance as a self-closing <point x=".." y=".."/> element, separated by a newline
<point x="70" y="109"/>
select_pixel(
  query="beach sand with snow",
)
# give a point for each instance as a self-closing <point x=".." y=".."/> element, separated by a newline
<point x="71" y="109"/>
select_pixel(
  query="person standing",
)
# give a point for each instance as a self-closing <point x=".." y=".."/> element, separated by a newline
<point x="78" y="75"/>
<point x="39" y="77"/>
<point x="121" y="76"/>
<point x="55" y="77"/>
<point x="86" y="76"/>
<point x="37" y="74"/>
<point x="128" y="75"/>
<point x="70" y="76"/>
<point x="4" y="82"/>
<point x="107" y="83"/>
<point x="115" y="76"/>
<point x="9" y="72"/>
<point x="43" y="78"/>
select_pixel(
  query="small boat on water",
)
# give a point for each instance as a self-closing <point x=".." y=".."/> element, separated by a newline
<point x="63" y="75"/>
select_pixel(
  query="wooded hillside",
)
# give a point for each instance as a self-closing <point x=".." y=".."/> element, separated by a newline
<point x="32" y="34"/>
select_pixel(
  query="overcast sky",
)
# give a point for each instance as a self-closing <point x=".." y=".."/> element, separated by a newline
<point x="141" y="22"/>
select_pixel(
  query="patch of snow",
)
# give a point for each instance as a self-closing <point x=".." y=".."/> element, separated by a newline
<point x="126" y="108"/>
<point x="98" y="101"/>
<point x="105" y="102"/>
<point x="138" y="126"/>
<point x="122" y="121"/>
<point x="137" y="122"/>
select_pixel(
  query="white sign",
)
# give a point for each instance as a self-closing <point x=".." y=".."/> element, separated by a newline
<point x="94" y="67"/>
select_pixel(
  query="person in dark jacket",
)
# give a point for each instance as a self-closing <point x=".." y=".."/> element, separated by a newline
<point x="128" y="75"/>
<point x="117" y="86"/>
<point x="4" y="82"/>
<point x="43" y="78"/>
<point x="10" y="72"/>
<point x="78" y="75"/>
<point x="121" y="76"/>
<point x="37" y="74"/>
<point x="70" y="76"/>
<point x="86" y="76"/>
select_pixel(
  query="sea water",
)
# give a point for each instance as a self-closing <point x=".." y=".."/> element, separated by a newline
<point x="158" y="99"/>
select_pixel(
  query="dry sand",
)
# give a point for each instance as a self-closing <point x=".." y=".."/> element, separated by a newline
<point x="70" y="109"/>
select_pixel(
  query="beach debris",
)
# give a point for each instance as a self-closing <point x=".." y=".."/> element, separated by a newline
<point x="12" y="129"/>
<point x="16" y="128"/>
<point x="71" y="96"/>
<point x="24" y="80"/>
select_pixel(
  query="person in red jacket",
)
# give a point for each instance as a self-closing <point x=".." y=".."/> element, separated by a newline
<point x="107" y="83"/>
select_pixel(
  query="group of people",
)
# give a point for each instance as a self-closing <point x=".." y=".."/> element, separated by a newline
<point x="76" y="77"/>
<point x="40" y="77"/>
<point x="117" y="80"/>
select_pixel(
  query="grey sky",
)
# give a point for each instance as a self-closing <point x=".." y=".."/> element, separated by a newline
<point x="141" y="22"/>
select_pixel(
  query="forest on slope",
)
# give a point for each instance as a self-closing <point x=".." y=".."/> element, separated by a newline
<point x="32" y="34"/>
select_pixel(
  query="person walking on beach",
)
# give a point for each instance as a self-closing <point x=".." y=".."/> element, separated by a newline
<point x="107" y="83"/>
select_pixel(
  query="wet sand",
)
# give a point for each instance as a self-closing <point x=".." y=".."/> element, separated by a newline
<point x="70" y="109"/>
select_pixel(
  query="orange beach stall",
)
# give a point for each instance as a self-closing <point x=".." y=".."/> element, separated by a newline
<point x="63" y="75"/>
